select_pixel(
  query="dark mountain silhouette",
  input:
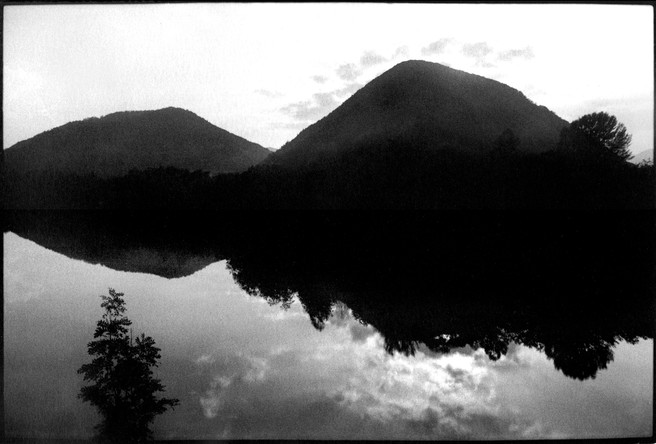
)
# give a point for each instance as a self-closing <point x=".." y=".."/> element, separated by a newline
<point x="134" y="140"/>
<point x="571" y="284"/>
<point x="425" y="105"/>
<point x="127" y="241"/>
<point x="420" y="136"/>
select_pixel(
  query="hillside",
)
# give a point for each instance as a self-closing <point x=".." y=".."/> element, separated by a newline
<point x="117" y="143"/>
<point x="642" y="156"/>
<point x="425" y="105"/>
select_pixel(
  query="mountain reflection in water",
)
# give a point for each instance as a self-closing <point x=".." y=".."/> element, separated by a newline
<point x="569" y="285"/>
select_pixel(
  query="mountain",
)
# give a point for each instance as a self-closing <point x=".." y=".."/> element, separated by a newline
<point x="117" y="143"/>
<point x="136" y="244"/>
<point x="427" y="105"/>
<point x="643" y="155"/>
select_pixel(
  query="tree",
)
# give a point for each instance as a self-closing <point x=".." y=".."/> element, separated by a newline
<point x="124" y="389"/>
<point x="597" y="135"/>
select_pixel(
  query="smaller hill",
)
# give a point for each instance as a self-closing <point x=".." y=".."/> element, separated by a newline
<point x="643" y="155"/>
<point x="134" y="140"/>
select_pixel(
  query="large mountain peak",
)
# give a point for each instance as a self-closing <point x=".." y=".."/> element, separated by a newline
<point x="427" y="105"/>
<point x="418" y="67"/>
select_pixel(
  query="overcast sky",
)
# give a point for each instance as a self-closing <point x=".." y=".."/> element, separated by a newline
<point x="266" y="71"/>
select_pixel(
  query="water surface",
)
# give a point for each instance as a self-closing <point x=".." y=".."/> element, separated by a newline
<point x="276" y="363"/>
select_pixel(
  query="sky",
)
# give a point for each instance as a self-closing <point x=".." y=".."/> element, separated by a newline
<point x="245" y="369"/>
<point x="266" y="71"/>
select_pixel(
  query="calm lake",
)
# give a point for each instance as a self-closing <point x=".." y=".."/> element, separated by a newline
<point x="328" y="329"/>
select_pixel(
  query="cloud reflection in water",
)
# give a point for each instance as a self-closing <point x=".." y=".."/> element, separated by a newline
<point x="245" y="369"/>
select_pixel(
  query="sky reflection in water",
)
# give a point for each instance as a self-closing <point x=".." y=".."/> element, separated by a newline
<point x="244" y="369"/>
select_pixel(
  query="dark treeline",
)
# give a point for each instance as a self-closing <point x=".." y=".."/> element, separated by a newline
<point x="557" y="285"/>
<point x="394" y="176"/>
<point x="571" y="284"/>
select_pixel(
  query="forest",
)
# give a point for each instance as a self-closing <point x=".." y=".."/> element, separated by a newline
<point x="370" y="178"/>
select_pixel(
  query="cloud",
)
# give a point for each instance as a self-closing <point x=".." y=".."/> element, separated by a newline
<point x="320" y="105"/>
<point x="401" y="51"/>
<point x="476" y="50"/>
<point x="371" y="58"/>
<point x="525" y="53"/>
<point x="348" y="90"/>
<point x="360" y="333"/>
<point x="205" y="359"/>
<point x="213" y="399"/>
<point x="342" y="317"/>
<point x="240" y="369"/>
<point x="268" y="93"/>
<point x="454" y="422"/>
<point x="479" y="51"/>
<point x="452" y="396"/>
<point x="436" y="47"/>
<point x="323" y="103"/>
<point x="256" y="370"/>
<point x="348" y="72"/>
<point x="324" y="99"/>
